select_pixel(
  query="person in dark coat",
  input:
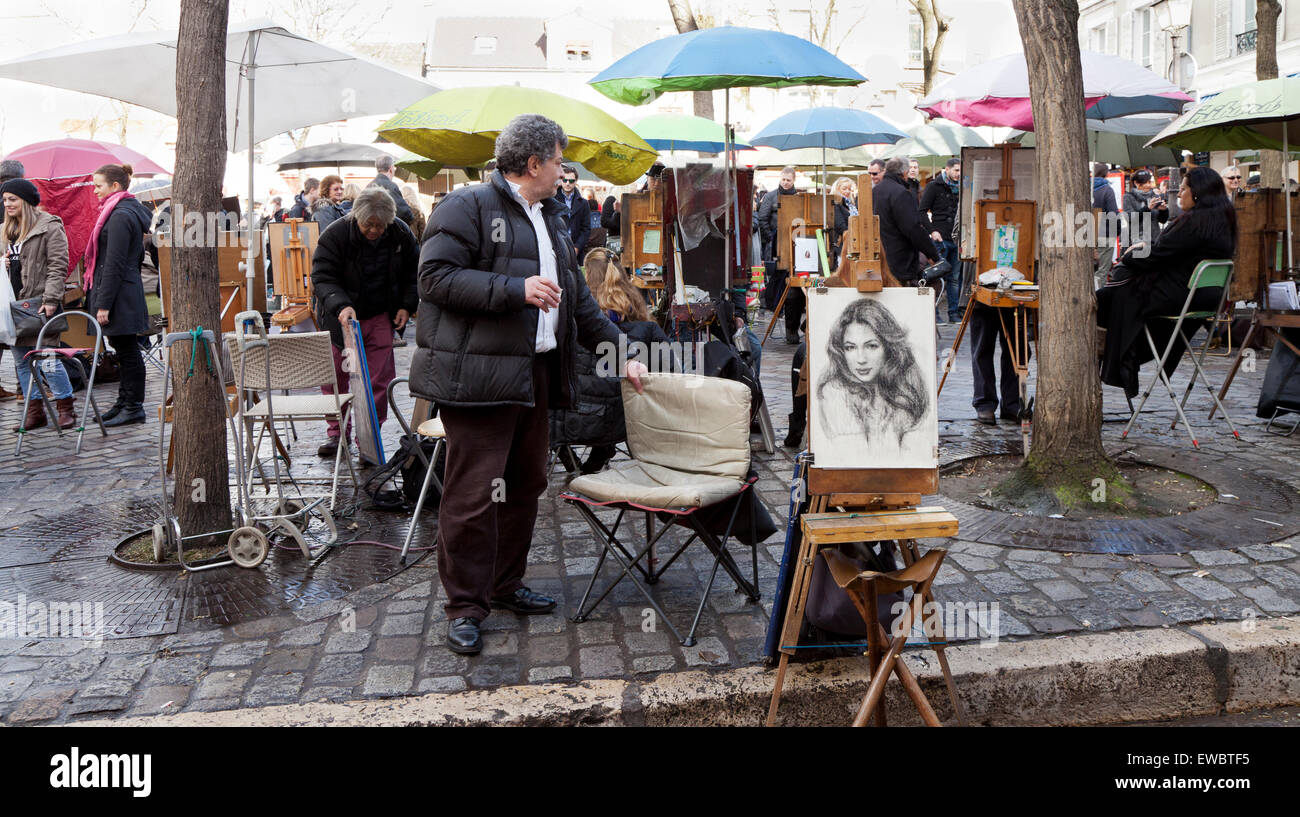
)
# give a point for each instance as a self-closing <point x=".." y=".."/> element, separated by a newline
<point x="577" y="211"/>
<point x="845" y="196"/>
<point x="1144" y="210"/>
<point x="384" y="178"/>
<point x="902" y="232"/>
<point x="503" y="308"/>
<point x="114" y="289"/>
<point x="1103" y="199"/>
<point x="597" y="420"/>
<point x="939" y="206"/>
<point x="1154" y="280"/>
<point x="302" y="203"/>
<point x="767" y="227"/>
<point x="328" y="208"/>
<point x="611" y="216"/>
<point x="364" y="269"/>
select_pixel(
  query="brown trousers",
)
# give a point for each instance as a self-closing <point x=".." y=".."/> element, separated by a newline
<point x="496" y="471"/>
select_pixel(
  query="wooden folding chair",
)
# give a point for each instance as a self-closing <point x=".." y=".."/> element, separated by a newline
<point x="882" y="651"/>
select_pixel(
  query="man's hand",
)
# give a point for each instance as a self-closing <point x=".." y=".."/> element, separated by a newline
<point x="400" y="321"/>
<point x="102" y="317"/>
<point x="938" y="239"/>
<point x="346" y="314"/>
<point x="49" y="310"/>
<point x="541" y="293"/>
<point x="740" y="322"/>
<point x="635" y="371"/>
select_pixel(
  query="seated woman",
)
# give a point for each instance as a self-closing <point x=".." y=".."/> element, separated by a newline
<point x="597" y="420"/>
<point x="872" y="392"/>
<point x="1154" y="282"/>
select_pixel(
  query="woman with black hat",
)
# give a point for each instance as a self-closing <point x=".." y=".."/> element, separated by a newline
<point x="36" y="260"/>
<point x="114" y="291"/>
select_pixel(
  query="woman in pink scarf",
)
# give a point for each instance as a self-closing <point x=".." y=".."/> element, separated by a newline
<point x="114" y="292"/>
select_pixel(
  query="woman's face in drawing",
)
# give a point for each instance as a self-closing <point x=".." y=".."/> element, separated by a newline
<point x="863" y="353"/>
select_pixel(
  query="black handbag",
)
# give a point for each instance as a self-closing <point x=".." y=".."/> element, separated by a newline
<point x="28" y="321"/>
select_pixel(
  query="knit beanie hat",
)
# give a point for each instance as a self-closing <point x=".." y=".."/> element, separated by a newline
<point x="23" y="189"/>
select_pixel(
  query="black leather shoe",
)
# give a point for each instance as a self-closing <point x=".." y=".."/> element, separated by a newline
<point x="1013" y="416"/>
<point x="986" y="417"/>
<point x="463" y="636"/>
<point x="112" y="412"/>
<point x="329" y="449"/>
<point x="131" y="414"/>
<point x="525" y="602"/>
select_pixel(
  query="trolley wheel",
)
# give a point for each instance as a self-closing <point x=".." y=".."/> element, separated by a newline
<point x="159" y="542"/>
<point x="247" y="546"/>
<point x="288" y="506"/>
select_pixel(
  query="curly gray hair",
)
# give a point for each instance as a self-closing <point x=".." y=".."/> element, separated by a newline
<point x="374" y="204"/>
<point x="527" y="135"/>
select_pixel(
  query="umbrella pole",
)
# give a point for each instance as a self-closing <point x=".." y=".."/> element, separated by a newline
<point x="726" y="169"/>
<point x="250" y="273"/>
<point x="1286" y="195"/>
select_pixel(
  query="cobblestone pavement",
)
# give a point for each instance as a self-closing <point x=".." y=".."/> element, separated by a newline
<point x="356" y="625"/>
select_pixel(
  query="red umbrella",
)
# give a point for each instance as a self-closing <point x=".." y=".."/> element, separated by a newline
<point x="62" y="158"/>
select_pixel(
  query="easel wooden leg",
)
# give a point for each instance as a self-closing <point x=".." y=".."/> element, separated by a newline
<point x="795" y="608"/>
<point x="956" y="343"/>
<point x="1236" y="364"/>
<point x="911" y="552"/>
<point x="776" y="313"/>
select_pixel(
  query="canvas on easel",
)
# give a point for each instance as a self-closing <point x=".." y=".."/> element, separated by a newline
<point x="872" y="378"/>
<point x="370" y="445"/>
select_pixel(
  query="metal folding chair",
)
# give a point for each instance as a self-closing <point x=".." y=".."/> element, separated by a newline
<point x="1207" y="275"/>
<point x="40" y="355"/>
<point x="689" y="440"/>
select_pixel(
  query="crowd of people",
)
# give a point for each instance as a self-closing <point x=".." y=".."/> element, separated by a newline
<point x="514" y="282"/>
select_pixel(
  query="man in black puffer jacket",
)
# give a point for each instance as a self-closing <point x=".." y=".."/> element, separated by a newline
<point x="503" y="305"/>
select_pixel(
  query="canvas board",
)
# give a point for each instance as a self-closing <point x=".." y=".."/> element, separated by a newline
<point x="369" y="444"/>
<point x="871" y="359"/>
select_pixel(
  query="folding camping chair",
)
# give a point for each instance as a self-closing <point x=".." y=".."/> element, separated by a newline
<point x="1207" y="275"/>
<point x="299" y="360"/>
<point x="689" y="440"/>
<point x="882" y="651"/>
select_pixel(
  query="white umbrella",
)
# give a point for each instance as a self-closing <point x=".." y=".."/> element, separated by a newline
<point x="281" y="81"/>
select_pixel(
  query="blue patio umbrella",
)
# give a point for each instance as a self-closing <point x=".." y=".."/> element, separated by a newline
<point x="834" y="128"/>
<point x="720" y="59"/>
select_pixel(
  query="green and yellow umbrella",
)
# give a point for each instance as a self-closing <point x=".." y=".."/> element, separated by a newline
<point x="460" y="127"/>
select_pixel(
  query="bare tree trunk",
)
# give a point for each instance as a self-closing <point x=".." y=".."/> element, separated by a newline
<point x="1067" y="414"/>
<point x="1266" y="17"/>
<point x="934" y="29"/>
<point x="199" y="416"/>
<point x="684" y="19"/>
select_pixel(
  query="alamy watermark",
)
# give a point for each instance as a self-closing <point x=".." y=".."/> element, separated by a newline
<point x="22" y="618"/>
<point x="951" y="621"/>
<point x="1081" y="228"/>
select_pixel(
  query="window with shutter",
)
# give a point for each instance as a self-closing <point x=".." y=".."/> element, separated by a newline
<point x="1126" y="36"/>
<point x="1222" y="23"/>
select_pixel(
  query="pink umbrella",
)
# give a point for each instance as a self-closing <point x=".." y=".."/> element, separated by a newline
<point x="63" y="158"/>
<point x="997" y="92"/>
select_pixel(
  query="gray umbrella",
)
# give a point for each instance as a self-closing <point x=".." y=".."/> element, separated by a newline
<point x="334" y="154"/>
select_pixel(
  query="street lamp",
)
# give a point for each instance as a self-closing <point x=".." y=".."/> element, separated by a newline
<point x="1174" y="16"/>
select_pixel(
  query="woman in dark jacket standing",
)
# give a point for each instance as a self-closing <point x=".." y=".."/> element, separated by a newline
<point x="114" y="291"/>
<point x="1155" y="283"/>
<point x="1144" y="209"/>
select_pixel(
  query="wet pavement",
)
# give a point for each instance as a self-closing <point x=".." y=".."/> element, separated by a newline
<point x="355" y="623"/>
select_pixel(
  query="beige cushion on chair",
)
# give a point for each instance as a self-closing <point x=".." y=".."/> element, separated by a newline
<point x="655" y="486"/>
<point x="431" y="428"/>
<point x="690" y="423"/>
<point x="299" y="405"/>
<point x="689" y="438"/>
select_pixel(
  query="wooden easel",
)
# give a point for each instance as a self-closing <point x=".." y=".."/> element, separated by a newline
<point x="1261" y="254"/>
<point x="291" y="272"/>
<point x="642" y="230"/>
<point x="232" y="252"/>
<point x="1005" y="211"/>
<point x="864" y="515"/>
<point x="862" y="260"/>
